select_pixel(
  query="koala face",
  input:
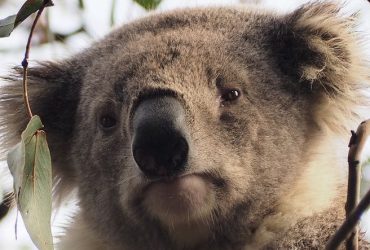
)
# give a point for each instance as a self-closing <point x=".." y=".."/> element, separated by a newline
<point x="174" y="129"/>
<point x="186" y="129"/>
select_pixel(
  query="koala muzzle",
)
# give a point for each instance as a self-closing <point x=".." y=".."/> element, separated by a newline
<point x="159" y="145"/>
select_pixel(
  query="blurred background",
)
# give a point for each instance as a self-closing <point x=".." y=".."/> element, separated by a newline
<point x="72" y="25"/>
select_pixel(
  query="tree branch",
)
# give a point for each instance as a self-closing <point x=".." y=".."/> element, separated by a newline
<point x="353" y="213"/>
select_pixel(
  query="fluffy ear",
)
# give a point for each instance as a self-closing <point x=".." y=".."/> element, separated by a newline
<point x="54" y="93"/>
<point x="319" y="48"/>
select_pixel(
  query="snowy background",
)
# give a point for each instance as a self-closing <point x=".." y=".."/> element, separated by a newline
<point x="79" y="27"/>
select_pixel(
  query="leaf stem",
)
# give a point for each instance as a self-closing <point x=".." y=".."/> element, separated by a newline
<point x="26" y="56"/>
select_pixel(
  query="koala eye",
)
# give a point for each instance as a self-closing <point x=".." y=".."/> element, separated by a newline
<point x="107" y="121"/>
<point x="229" y="95"/>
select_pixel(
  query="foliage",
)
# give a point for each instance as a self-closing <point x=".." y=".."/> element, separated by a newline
<point x="148" y="4"/>
<point x="30" y="164"/>
<point x="29" y="161"/>
<point x="8" y="24"/>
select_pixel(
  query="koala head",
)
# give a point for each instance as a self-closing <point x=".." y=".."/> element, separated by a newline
<point x="188" y="127"/>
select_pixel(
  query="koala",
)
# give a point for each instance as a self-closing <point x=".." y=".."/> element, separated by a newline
<point x="208" y="128"/>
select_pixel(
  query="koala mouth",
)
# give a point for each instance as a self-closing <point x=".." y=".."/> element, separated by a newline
<point x="179" y="199"/>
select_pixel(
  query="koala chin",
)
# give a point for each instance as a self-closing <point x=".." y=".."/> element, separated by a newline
<point x="181" y="200"/>
<point x="209" y="128"/>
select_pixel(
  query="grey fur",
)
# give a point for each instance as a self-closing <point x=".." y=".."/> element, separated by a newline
<point x="267" y="157"/>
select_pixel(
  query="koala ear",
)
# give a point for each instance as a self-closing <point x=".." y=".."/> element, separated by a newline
<point x="54" y="93"/>
<point x="320" y="49"/>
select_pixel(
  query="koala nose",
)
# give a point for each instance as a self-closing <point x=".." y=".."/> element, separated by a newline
<point x="159" y="145"/>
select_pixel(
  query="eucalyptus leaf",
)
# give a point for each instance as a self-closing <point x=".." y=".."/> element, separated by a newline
<point x="15" y="160"/>
<point x="30" y="165"/>
<point x="29" y="7"/>
<point x="8" y="24"/>
<point x="148" y="4"/>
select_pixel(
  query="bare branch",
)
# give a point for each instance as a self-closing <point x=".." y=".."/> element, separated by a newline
<point x="349" y="227"/>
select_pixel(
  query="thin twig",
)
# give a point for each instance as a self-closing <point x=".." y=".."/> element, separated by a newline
<point x="81" y="4"/>
<point x="62" y="37"/>
<point x="349" y="227"/>
<point x="112" y="14"/>
<point x="26" y="56"/>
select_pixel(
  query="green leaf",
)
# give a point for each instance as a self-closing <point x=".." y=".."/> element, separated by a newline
<point x="29" y="7"/>
<point x="30" y="164"/>
<point x="148" y="4"/>
<point x="8" y="24"/>
<point x="81" y="4"/>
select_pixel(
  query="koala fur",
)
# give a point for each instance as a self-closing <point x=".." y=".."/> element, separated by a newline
<point x="262" y="170"/>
